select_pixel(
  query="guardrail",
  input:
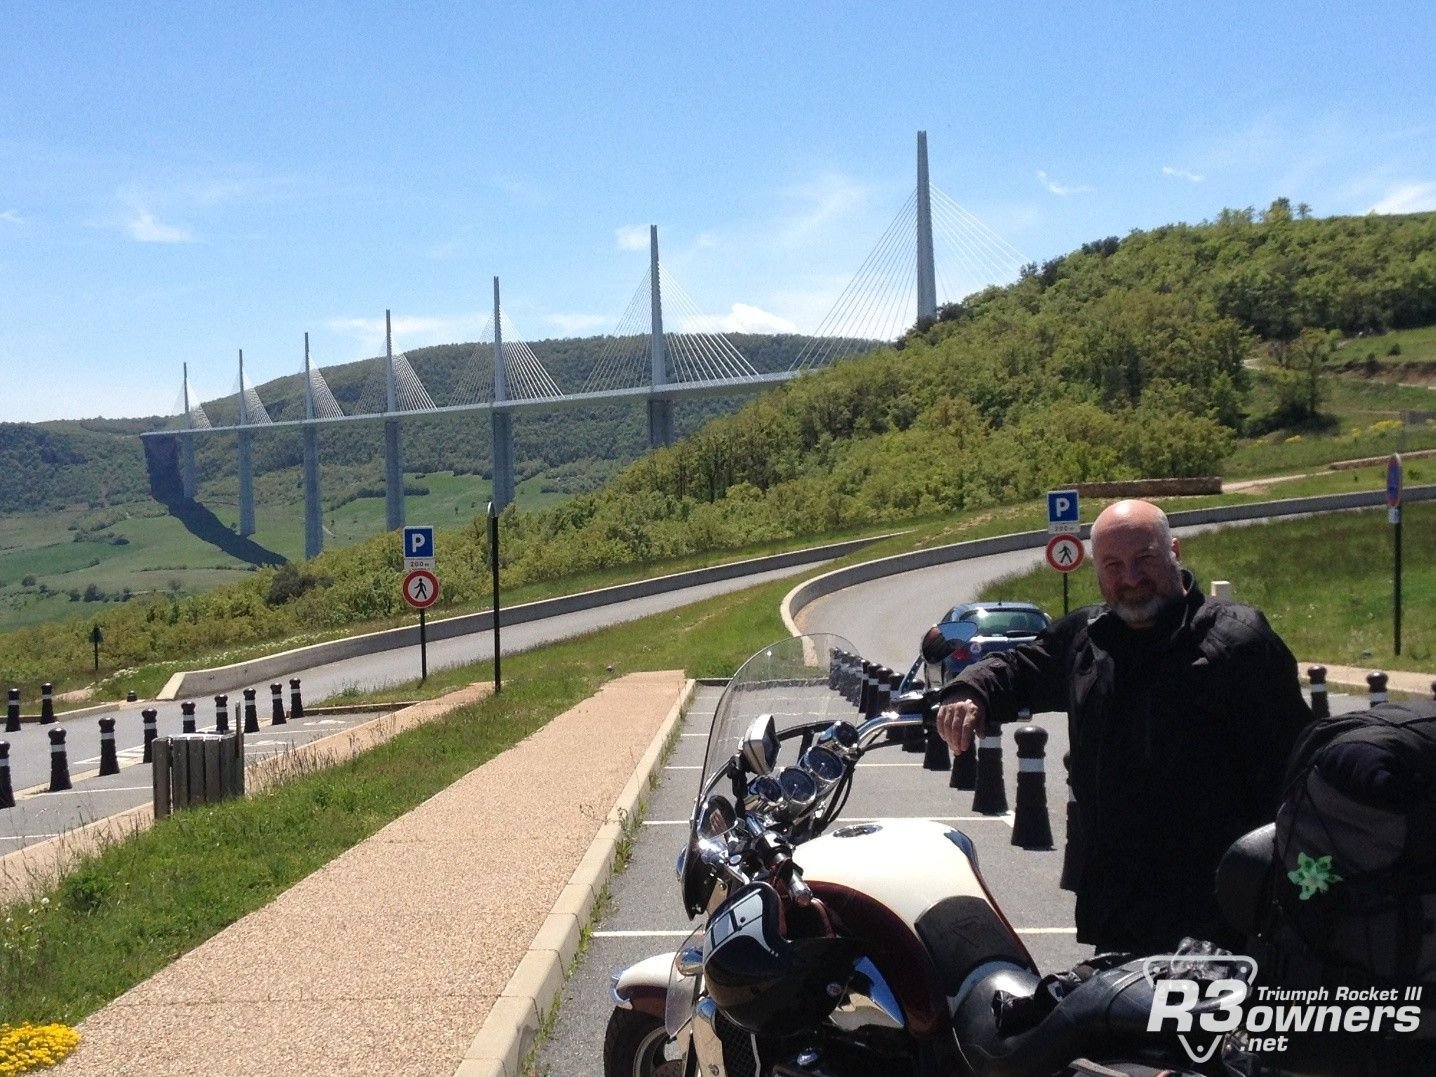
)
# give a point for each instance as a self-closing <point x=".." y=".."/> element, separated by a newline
<point x="270" y="667"/>
<point x="840" y="578"/>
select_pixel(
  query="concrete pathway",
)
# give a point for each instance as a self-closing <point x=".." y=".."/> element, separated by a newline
<point x="399" y="957"/>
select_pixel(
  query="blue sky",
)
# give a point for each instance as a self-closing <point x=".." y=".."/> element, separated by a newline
<point x="179" y="181"/>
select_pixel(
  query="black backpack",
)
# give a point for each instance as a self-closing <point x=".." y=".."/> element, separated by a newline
<point x="1354" y="883"/>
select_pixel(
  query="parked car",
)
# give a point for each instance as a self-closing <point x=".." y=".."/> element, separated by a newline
<point x="979" y="629"/>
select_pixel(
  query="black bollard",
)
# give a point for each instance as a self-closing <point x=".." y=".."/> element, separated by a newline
<point x="990" y="796"/>
<point x="151" y="717"/>
<point x="935" y="755"/>
<point x="12" y="712"/>
<point x="251" y="712"/>
<point x="864" y="701"/>
<point x="131" y="697"/>
<point x="1072" y="851"/>
<point x="221" y="714"/>
<point x="109" y="761"/>
<point x="833" y="654"/>
<point x="1376" y="682"/>
<point x="47" y="703"/>
<point x="59" y="762"/>
<point x="187" y="717"/>
<point x="276" y="703"/>
<point x="1320" y="704"/>
<point x="296" y="705"/>
<point x="1031" y="829"/>
<point x="1433" y="690"/>
<point x="7" y="791"/>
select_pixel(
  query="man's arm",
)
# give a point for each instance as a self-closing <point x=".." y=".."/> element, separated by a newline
<point x="1032" y="675"/>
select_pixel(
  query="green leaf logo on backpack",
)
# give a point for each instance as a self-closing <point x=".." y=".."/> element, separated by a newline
<point x="1314" y="876"/>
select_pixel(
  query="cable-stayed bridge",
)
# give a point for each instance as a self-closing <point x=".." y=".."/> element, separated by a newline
<point x="896" y="287"/>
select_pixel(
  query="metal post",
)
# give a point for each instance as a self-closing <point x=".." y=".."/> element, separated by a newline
<point x="313" y="507"/>
<point x="502" y="421"/>
<point x="423" y="650"/>
<point x="393" y="463"/>
<point x="660" y="409"/>
<point x="1396" y="628"/>
<point x="494" y="574"/>
<point x="926" y="276"/>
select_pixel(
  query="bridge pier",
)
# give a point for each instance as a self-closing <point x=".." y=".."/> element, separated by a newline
<point x="246" y="484"/>
<point x="660" y="422"/>
<point x="246" y="461"/>
<point x="313" y="508"/>
<point x="926" y="275"/>
<point x="188" y="484"/>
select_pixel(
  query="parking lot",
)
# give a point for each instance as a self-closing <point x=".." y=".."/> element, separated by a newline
<point x="645" y="914"/>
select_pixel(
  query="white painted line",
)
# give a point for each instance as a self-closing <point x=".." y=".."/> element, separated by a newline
<point x="1046" y="930"/>
<point x="645" y="934"/>
<point x="676" y="767"/>
<point x="703" y="735"/>
<point x="665" y="822"/>
<point x="27" y="837"/>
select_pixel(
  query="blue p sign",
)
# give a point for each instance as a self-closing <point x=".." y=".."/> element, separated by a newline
<point x="418" y="542"/>
<point x="1062" y="507"/>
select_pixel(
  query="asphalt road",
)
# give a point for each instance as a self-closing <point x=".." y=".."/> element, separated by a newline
<point x="40" y="814"/>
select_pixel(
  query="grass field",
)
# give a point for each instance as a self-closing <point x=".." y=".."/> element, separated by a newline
<point x="1413" y="347"/>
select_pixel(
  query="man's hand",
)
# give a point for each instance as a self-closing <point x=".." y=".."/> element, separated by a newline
<point x="959" y="722"/>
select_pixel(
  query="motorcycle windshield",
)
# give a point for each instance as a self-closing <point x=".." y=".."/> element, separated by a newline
<point x="789" y="680"/>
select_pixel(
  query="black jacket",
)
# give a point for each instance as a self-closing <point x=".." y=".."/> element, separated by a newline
<point x="1179" y="737"/>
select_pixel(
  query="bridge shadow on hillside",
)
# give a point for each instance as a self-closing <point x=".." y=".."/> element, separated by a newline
<point x="206" y="526"/>
<point x="162" y="462"/>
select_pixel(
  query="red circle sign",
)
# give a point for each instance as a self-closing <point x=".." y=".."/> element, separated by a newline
<point x="1065" y="553"/>
<point x="421" y="588"/>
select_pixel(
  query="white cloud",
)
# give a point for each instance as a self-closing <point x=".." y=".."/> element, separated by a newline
<point x="741" y="318"/>
<point x="145" y="228"/>
<point x="581" y="324"/>
<point x="1407" y="198"/>
<point x="11" y="215"/>
<point x="1058" y="188"/>
<point x="1182" y="173"/>
<point x="631" y="237"/>
<point x="825" y="200"/>
<point x="410" y="331"/>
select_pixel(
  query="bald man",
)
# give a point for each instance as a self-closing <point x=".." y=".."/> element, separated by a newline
<point x="1181" y="712"/>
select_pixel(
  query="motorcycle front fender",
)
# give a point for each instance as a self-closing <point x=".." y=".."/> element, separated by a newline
<point x="643" y="986"/>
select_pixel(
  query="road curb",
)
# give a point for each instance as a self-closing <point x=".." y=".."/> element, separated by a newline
<point x="509" y="1030"/>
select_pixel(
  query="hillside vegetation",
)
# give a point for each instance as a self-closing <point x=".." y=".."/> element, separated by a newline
<point x="1127" y="358"/>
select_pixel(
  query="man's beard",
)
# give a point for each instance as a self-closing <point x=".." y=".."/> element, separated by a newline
<point x="1142" y="614"/>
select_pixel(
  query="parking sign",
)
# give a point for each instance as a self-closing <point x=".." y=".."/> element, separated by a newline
<point x="1063" y="512"/>
<point x="418" y="548"/>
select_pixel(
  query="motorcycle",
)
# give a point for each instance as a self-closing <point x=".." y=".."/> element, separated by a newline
<point x="865" y="948"/>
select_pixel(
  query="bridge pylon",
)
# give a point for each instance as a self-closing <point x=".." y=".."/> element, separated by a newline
<point x="189" y="486"/>
<point x="926" y="273"/>
<point x="660" y="408"/>
<point x="503" y="428"/>
<point x="393" y="459"/>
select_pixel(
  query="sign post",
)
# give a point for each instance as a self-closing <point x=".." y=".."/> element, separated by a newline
<point x="96" y="638"/>
<point x="1064" y="513"/>
<point x="1395" y="483"/>
<point x="421" y="590"/>
<point x="494" y="572"/>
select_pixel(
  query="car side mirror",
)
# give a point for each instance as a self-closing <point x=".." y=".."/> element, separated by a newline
<point x="935" y="646"/>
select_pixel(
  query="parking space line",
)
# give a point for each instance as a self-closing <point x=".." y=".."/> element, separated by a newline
<point x="27" y="837"/>
<point x="1046" y="930"/>
<point x="672" y="766"/>
<point x="641" y="934"/>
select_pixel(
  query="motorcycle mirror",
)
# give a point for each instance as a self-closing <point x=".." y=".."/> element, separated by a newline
<point x="760" y="745"/>
<point x="935" y="646"/>
<point x="716" y="817"/>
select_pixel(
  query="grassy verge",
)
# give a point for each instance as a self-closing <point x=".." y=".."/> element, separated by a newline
<point x="132" y="910"/>
<point x="1325" y="583"/>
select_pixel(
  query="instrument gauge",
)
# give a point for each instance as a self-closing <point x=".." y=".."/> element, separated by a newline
<point x="768" y="790"/>
<point x="823" y="764"/>
<point x="800" y="787"/>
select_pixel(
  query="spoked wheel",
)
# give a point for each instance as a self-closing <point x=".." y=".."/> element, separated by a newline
<point x="636" y="1045"/>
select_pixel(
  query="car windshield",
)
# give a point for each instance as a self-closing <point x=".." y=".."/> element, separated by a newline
<point x="1008" y="622"/>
